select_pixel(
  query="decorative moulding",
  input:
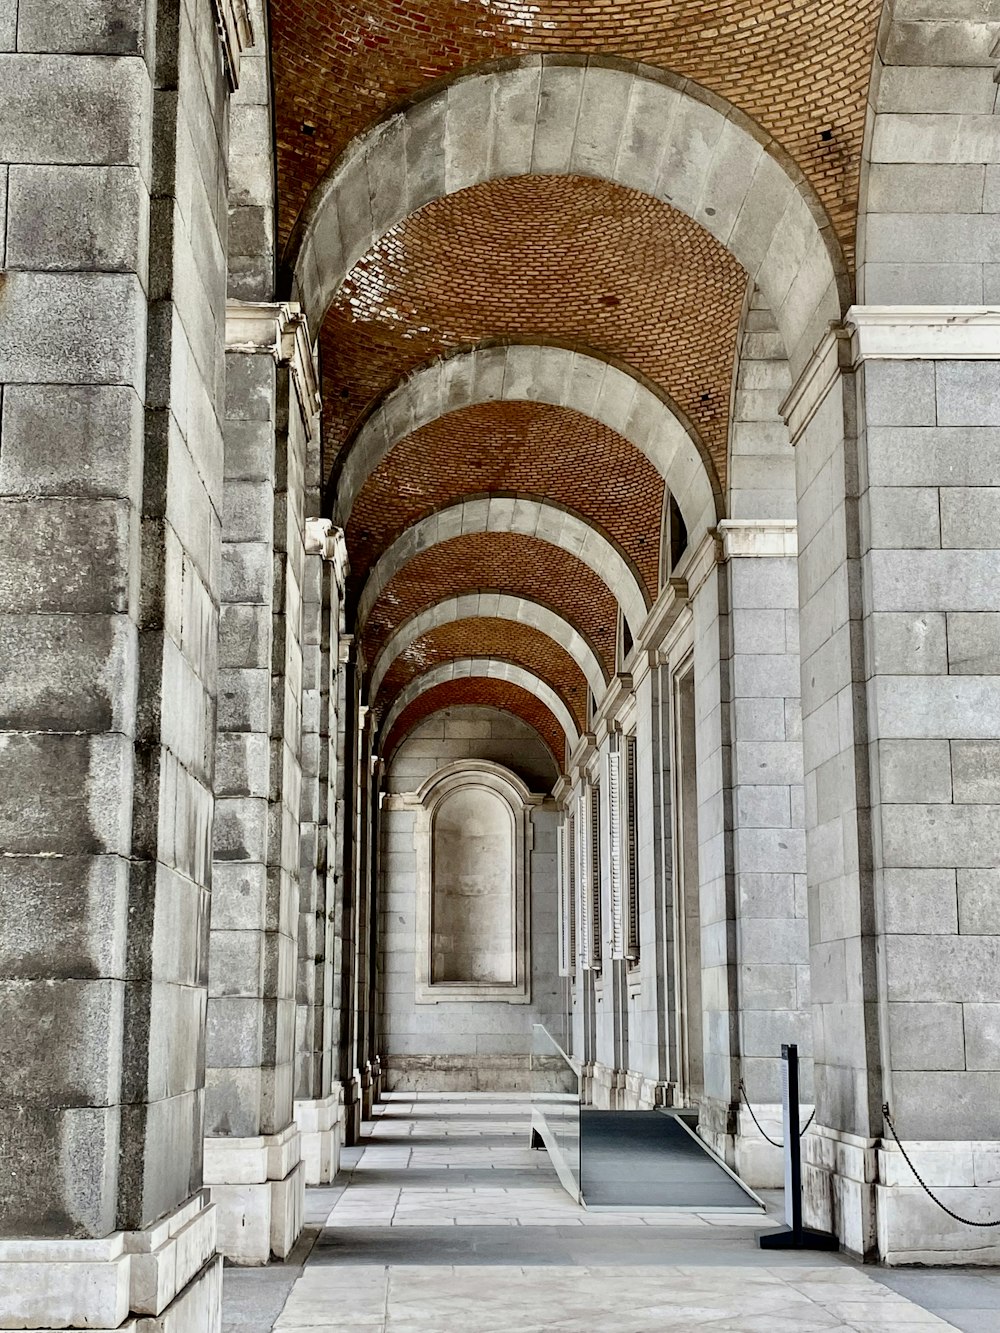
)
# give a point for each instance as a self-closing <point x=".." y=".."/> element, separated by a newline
<point x="890" y="333"/>
<point x="278" y="329"/>
<point x="236" y="35"/>
<point x="922" y="333"/>
<point x="758" y="537"/>
<point x="323" y="539"/>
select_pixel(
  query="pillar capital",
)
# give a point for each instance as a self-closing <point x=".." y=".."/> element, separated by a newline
<point x="324" y="539"/>
<point x="278" y="329"/>
<point x="923" y="333"/>
<point x="755" y="537"/>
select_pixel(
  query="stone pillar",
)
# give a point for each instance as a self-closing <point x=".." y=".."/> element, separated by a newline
<point x="709" y="594"/>
<point x="318" y="1097"/>
<point x="768" y="839"/>
<point x="898" y="573"/>
<point x="253" y="1149"/>
<point x="110" y="473"/>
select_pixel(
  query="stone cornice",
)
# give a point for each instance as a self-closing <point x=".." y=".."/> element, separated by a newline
<point x="923" y="333"/>
<point x="236" y="35"/>
<point x="278" y="329"/>
<point x="754" y="537"/>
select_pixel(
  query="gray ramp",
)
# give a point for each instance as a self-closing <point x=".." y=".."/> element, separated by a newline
<point x="645" y="1159"/>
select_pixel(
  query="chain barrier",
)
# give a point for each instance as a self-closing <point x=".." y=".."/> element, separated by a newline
<point x="773" y="1142"/>
<point x="966" y="1221"/>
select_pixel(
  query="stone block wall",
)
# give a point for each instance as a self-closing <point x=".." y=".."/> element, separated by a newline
<point x="111" y="333"/>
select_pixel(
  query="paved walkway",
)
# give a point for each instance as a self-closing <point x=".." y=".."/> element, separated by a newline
<point x="444" y="1221"/>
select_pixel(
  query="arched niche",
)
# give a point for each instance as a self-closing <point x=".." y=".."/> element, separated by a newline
<point x="473" y="845"/>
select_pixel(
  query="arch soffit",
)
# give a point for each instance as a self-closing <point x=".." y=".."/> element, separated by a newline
<point x="554" y="375"/>
<point x="632" y="125"/>
<point x="488" y="669"/>
<point x="502" y="606"/>
<point x="528" y="516"/>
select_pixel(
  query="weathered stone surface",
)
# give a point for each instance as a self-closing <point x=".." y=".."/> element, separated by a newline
<point x="63" y="440"/>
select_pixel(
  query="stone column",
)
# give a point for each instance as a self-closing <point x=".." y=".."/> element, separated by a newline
<point x="253" y="1148"/>
<point x="318" y="1097"/>
<point x="768" y="838"/>
<point x="110" y="472"/>
<point x="900" y="670"/>
<point x="709" y="595"/>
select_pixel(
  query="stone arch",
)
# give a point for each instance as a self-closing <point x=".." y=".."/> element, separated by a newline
<point x="556" y="375"/>
<point x="485" y="669"/>
<point x="492" y="696"/>
<point x="644" y="129"/>
<point x="522" y="514"/>
<point x="760" y="471"/>
<point x="927" y="204"/>
<point x="502" y="606"/>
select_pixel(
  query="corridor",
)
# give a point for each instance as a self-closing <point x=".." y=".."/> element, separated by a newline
<point x="445" y="1207"/>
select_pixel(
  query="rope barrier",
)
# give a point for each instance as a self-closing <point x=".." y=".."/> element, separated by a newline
<point x="966" y="1221"/>
<point x="773" y="1142"/>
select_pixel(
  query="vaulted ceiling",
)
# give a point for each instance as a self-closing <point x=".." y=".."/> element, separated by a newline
<point x="570" y="261"/>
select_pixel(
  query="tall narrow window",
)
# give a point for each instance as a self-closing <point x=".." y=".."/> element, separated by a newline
<point x="595" y="878"/>
<point x="582" y="869"/>
<point x="571" y="889"/>
<point x="567" y="880"/>
<point x="615" y="848"/>
<point x="632" y="849"/>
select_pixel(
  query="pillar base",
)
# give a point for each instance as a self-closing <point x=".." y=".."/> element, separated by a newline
<point x="352" y="1110"/>
<point x="607" y="1087"/>
<point x="166" y="1278"/>
<point x="321" y="1126"/>
<point x="838" y="1187"/>
<point x="367" y="1092"/>
<point x="758" y="1163"/>
<point x="643" y="1094"/>
<point x="718" y="1125"/>
<point x="912" y="1229"/>
<point x="258" y="1186"/>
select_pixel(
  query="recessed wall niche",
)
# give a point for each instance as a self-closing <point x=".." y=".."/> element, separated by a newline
<point x="473" y="842"/>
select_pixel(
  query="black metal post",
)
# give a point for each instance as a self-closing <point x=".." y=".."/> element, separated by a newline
<point x="795" y="1236"/>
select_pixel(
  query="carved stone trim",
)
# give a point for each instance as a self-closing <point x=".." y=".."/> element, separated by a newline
<point x="923" y="333"/>
<point x="278" y="329"/>
<point x="323" y="539"/>
<point x="758" y="537"/>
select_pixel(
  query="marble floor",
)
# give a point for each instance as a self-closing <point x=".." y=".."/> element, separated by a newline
<point x="445" y="1221"/>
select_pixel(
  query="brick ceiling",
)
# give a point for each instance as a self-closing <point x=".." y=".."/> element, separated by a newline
<point x="524" y="448"/>
<point x="498" y="562"/>
<point x="565" y="259"/>
<point x="799" y="68"/>
<point x="482" y="636"/>
<point x="484" y="692"/>
<point x="572" y="261"/>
